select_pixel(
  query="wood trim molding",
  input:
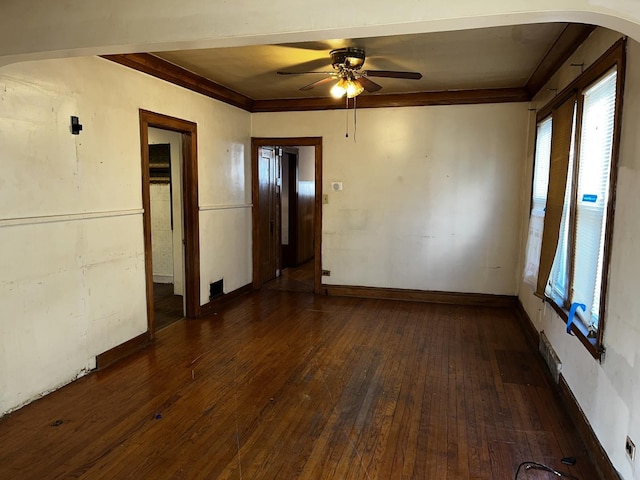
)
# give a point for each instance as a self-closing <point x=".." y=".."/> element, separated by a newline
<point x="615" y="55"/>
<point x="595" y="450"/>
<point x="189" y="132"/>
<point x="567" y="43"/>
<point x="449" y="97"/>
<point x="450" y="298"/>
<point x="159" y="68"/>
<point x="123" y="350"/>
<point x="599" y="457"/>
<point x="317" y="225"/>
<point x="255" y="224"/>
<point x="219" y="302"/>
<point x="530" y="330"/>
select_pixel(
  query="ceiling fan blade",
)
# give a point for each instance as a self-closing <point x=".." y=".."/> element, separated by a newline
<point x="369" y="85"/>
<point x="393" y="74"/>
<point x="304" y="73"/>
<point x="317" y="83"/>
<point x="317" y="46"/>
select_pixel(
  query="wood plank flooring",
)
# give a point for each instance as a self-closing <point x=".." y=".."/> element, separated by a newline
<point x="284" y="385"/>
<point x="167" y="307"/>
<point x="294" y="279"/>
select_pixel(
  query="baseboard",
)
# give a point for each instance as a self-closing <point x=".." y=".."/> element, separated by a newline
<point x="123" y="350"/>
<point x="222" y="300"/>
<point x="599" y="457"/>
<point x="476" y="299"/>
<point x="530" y="329"/>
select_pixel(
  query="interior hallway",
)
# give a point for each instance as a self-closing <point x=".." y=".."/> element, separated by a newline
<point x="167" y="307"/>
<point x="281" y="385"/>
<point x="294" y="279"/>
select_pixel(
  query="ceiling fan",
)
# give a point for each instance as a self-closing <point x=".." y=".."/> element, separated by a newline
<point x="351" y="79"/>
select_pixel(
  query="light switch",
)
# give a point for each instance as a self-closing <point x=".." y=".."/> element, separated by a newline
<point x="325" y="198"/>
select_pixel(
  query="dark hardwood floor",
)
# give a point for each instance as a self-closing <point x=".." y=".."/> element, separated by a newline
<point x="167" y="307"/>
<point x="283" y="385"/>
<point x="294" y="279"/>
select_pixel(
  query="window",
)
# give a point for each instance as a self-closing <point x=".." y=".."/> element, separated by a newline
<point x="574" y="177"/>
<point x="538" y="200"/>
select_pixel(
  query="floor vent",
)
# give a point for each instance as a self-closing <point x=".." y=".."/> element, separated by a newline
<point x="550" y="357"/>
<point x="216" y="289"/>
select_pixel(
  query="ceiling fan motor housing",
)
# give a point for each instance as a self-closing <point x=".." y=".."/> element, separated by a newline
<point x="350" y="58"/>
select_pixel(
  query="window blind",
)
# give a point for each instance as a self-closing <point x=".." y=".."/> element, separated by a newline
<point x="596" y="142"/>
<point x="538" y="201"/>
<point x="541" y="165"/>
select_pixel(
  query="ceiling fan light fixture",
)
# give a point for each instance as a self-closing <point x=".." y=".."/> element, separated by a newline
<point x="354" y="88"/>
<point x="340" y="88"/>
<point x="347" y="86"/>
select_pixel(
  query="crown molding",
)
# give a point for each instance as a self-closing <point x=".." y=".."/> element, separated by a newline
<point x="159" y="68"/>
<point x="568" y="41"/>
<point x="448" y="97"/>
<point x="566" y="44"/>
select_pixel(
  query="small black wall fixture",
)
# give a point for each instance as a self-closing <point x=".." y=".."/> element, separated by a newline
<point x="76" y="128"/>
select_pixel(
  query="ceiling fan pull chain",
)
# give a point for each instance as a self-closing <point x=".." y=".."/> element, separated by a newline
<point x="346" y="135"/>
<point x="355" y="119"/>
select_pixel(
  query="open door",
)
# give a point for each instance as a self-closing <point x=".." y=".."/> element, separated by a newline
<point x="269" y="184"/>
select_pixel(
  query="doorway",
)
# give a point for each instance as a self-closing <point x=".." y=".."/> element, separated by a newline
<point x="183" y="185"/>
<point x="167" y="247"/>
<point x="287" y="194"/>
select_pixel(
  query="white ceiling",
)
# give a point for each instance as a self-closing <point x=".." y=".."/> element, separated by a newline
<point x="499" y="57"/>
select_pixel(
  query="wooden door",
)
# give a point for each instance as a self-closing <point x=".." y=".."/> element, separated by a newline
<point x="268" y="213"/>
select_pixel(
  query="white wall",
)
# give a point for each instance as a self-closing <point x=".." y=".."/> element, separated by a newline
<point x="430" y="199"/>
<point x="608" y="393"/>
<point x="161" y="233"/>
<point x="72" y="281"/>
<point x="307" y="164"/>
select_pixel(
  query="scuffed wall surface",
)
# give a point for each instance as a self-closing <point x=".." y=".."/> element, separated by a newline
<point x="430" y="194"/>
<point x="72" y="281"/>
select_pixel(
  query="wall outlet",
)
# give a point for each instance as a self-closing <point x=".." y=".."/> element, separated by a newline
<point x="326" y="273"/>
<point x="630" y="449"/>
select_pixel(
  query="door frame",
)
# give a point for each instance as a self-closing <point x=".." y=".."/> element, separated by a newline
<point x="191" y="229"/>
<point x="256" y="143"/>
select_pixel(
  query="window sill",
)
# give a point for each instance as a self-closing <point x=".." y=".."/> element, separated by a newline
<point x="579" y="330"/>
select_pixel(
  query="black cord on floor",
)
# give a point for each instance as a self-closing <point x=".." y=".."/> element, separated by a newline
<point x="540" y="466"/>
